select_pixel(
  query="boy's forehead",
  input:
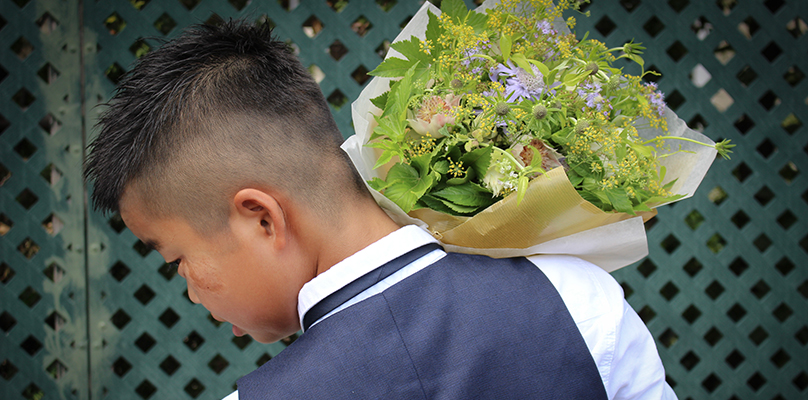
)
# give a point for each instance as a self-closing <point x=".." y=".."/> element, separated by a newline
<point x="131" y="202"/>
<point x="153" y="227"/>
<point x="134" y="213"/>
<point x="140" y="219"/>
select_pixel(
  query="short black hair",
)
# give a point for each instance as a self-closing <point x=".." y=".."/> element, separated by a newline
<point x="217" y="109"/>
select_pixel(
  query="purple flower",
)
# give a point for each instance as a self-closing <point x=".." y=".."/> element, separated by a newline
<point x="467" y="56"/>
<point x="545" y="27"/>
<point x="519" y="84"/>
<point x="590" y="93"/>
<point x="468" y="53"/>
<point x="657" y="100"/>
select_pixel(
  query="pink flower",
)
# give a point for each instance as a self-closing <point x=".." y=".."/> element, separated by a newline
<point x="550" y="158"/>
<point x="435" y="112"/>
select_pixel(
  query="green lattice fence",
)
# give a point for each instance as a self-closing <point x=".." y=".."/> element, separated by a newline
<point x="87" y="312"/>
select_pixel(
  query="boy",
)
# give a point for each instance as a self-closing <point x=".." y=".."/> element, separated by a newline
<point x="219" y="150"/>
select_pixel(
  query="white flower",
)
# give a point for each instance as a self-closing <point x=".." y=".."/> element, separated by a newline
<point x="501" y="178"/>
<point x="494" y="181"/>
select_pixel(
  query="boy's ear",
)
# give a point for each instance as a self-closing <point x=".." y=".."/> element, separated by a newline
<point x="260" y="212"/>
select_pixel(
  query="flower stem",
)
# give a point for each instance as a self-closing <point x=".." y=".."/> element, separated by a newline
<point x="658" y="138"/>
<point x="509" y="156"/>
<point x="723" y="147"/>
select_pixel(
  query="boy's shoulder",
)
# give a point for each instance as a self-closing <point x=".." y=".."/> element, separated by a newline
<point x="586" y="289"/>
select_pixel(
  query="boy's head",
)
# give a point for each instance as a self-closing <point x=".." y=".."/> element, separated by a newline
<point x="211" y="112"/>
<point x="219" y="149"/>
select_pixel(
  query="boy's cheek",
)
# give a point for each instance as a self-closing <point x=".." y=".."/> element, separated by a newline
<point x="203" y="280"/>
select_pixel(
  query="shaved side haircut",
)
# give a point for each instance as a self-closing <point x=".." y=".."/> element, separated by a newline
<point x="216" y="110"/>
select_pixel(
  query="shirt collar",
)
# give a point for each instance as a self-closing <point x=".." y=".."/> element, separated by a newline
<point x="371" y="257"/>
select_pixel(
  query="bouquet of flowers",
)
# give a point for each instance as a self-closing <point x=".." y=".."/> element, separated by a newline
<point x="504" y="135"/>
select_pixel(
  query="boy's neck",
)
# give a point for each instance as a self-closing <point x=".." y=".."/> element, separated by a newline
<point x="360" y="226"/>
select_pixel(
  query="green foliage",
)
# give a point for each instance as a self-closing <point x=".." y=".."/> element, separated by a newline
<point x="479" y="111"/>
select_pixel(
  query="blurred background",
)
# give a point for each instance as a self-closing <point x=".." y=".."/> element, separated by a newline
<point x="88" y="312"/>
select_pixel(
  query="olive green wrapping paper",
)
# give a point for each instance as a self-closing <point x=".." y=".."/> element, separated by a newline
<point x="552" y="218"/>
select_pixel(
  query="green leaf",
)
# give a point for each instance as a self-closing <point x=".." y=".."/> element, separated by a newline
<point x="642" y="100"/>
<point x="574" y="178"/>
<point x="505" y="43"/>
<point x="637" y="59"/>
<point x="426" y="183"/>
<point x="380" y="101"/>
<point x="589" y="183"/>
<point x="433" y="32"/>
<point x="521" y="62"/>
<point x="619" y="200"/>
<point x="454" y="8"/>
<point x="535" y="162"/>
<point x="467" y="194"/>
<point x="412" y="50"/>
<point x="670" y="184"/>
<point x="452" y="150"/>
<point x="444" y="131"/>
<point x="663" y="199"/>
<point x="572" y="79"/>
<point x="393" y="67"/>
<point x="461" y="210"/>
<point x="598" y="201"/>
<point x="428" y="177"/>
<point x="407" y="184"/>
<point x="391" y="127"/>
<point x="468" y="176"/>
<point x="422" y="163"/>
<point x="441" y="166"/>
<point x="384" y="158"/>
<point x="478" y="159"/>
<point x="378" y="184"/>
<point x="542" y="68"/>
<point x="562" y="135"/>
<point x="620" y="152"/>
<point x="521" y="188"/>
<point x="390" y="150"/>
<point x="478" y="21"/>
<point x="399" y="97"/>
<point x="436" y="204"/>
<point x="448" y="207"/>
<point x="401" y="179"/>
<point x="645" y="151"/>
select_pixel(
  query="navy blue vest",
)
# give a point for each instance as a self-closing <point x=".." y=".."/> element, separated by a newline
<point x="466" y="327"/>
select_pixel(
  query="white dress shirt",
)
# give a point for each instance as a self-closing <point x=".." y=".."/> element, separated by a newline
<point x="623" y="349"/>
